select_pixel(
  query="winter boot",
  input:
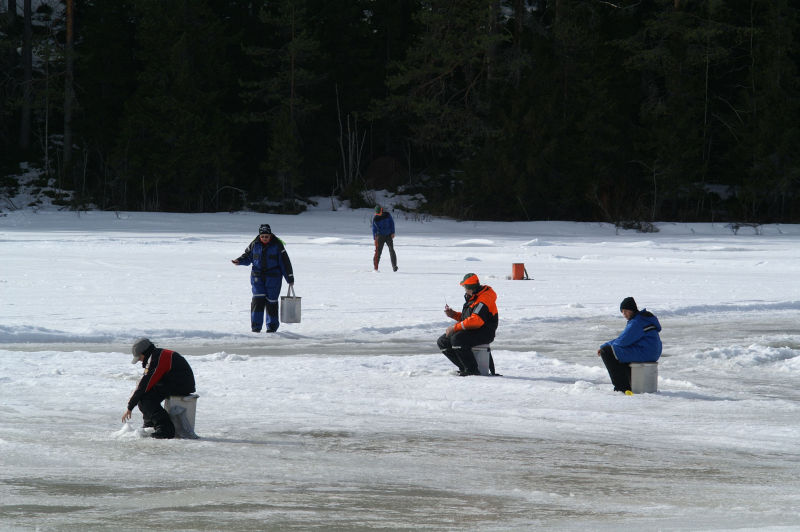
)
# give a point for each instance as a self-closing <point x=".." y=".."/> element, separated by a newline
<point x="163" y="425"/>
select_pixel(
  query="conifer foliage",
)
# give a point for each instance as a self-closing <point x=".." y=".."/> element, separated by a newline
<point x="614" y="110"/>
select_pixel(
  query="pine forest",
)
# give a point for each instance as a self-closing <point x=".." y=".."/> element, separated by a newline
<point x="622" y="111"/>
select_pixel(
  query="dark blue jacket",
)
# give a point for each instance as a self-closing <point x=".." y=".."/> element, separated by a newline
<point x="270" y="260"/>
<point x="382" y="224"/>
<point x="639" y="341"/>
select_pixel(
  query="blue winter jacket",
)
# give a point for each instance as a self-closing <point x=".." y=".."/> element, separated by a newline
<point x="270" y="260"/>
<point x="382" y="224"/>
<point x="639" y="341"/>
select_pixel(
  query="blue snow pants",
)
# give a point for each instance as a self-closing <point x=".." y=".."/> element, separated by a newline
<point x="266" y="290"/>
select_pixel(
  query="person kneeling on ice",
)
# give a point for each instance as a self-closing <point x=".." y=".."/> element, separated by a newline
<point x="638" y="342"/>
<point x="165" y="373"/>
<point x="477" y="323"/>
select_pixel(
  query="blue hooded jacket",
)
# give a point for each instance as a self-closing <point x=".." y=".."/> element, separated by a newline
<point x="639" y="341"/>
<point x="382" y="224"/>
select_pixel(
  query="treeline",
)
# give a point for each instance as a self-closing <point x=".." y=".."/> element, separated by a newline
<point x="613" y="110"/>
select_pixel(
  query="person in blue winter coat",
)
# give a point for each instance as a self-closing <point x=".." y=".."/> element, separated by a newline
<point x="383" y="233"/>
<point x="270" y="262"/>
<point x="638" y="342"/>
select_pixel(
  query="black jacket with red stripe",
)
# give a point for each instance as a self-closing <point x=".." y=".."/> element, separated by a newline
<point x="169" y="370"/>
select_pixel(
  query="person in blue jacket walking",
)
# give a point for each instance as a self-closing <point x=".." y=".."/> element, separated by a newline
<point x="383" y="233"/>
<point x="638" y="342"/>
<point x="270" y="262"/>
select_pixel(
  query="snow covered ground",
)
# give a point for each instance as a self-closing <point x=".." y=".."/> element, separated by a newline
<point x="352" y="420"/>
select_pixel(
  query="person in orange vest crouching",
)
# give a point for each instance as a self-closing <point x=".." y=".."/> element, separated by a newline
<point x="477" y="323"/>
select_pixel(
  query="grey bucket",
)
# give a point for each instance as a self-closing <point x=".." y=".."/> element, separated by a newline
<point x="482" y="354"/>
<point x="181" y="410"/>
<point x="644" y="377"/>
<point x="290" y="307"/>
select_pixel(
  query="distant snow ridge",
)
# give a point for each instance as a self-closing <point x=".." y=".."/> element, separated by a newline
<point x="753" y="356"/>
<point x="223" y="356"/>
<point x="746" y="307"/>
<point x="42" y="335"/>
<point x="475" y="242"/>
<point x="536" y="242"/>
<point x="332" y="240"/>
<point x="641" y="244"/>
<point x="28" y="334"/>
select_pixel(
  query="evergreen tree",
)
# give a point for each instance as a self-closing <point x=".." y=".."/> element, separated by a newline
<point x="174" y="148"/>
<point x="440" y="90"/>
<point x="105" y="79"/>
<point x="288" y="67"/>
<point x="771" y="190"/>
<point x="686" y="57"/>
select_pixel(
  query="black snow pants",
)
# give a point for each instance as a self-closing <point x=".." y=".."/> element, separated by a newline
<point x="154" y="415"/>
<point x="380" y="241"/>
<point x="458" y="349"/>
<point x="620" y="372"/>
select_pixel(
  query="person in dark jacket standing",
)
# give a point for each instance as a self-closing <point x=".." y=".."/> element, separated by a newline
<point x="165" y="373"/>
<point x="477" y="323"/>
<point x="383" y="233"/>
<point x="638" y="342"/>
<point x="270" y="262"/>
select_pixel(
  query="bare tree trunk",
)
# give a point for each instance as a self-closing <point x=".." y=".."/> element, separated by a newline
<point x="288" y="188"/>
<point x="491" y="54"/>
<point x="46" y="135"/>
<point x="345" y="181"/>
<point x="27" y="89"/>
<point x="292" y="55"/>
<point x="12" y="13"/>
<point x="350" y="147"/>
<point x="69" y="93"/>
<point x="519" y="21"/>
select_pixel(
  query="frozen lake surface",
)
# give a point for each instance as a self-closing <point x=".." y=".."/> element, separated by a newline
<point x="352" y="420"/>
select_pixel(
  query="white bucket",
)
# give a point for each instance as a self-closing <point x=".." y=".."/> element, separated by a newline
<point x="482" y="354"/>
<point x="181" y="410"/>
<point x="644" y="377"/>
<point x="290" y="307"/>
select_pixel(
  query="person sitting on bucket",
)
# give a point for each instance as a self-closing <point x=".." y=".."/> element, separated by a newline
<point x="638" y="342"/>
<point x="477" y="323"/>
<point x="165" y="373"/>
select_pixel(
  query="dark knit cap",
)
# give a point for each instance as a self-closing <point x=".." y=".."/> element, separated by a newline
<point x="264" y="229"/>
<point x="628" y="304"/>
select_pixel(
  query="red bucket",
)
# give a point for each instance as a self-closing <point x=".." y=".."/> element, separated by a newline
<point x="518" y="271"/>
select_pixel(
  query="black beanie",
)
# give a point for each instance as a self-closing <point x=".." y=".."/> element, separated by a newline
<point x="264" y="229"/>
<point x="628" y="304"/>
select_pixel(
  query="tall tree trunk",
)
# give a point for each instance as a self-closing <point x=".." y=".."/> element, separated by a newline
<point x="288" y="189"/>
<point x="69" y="93"/>
<point x="12" y="13"/>
<point x="516" y="44"/>
<point x="27" y="67"/>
